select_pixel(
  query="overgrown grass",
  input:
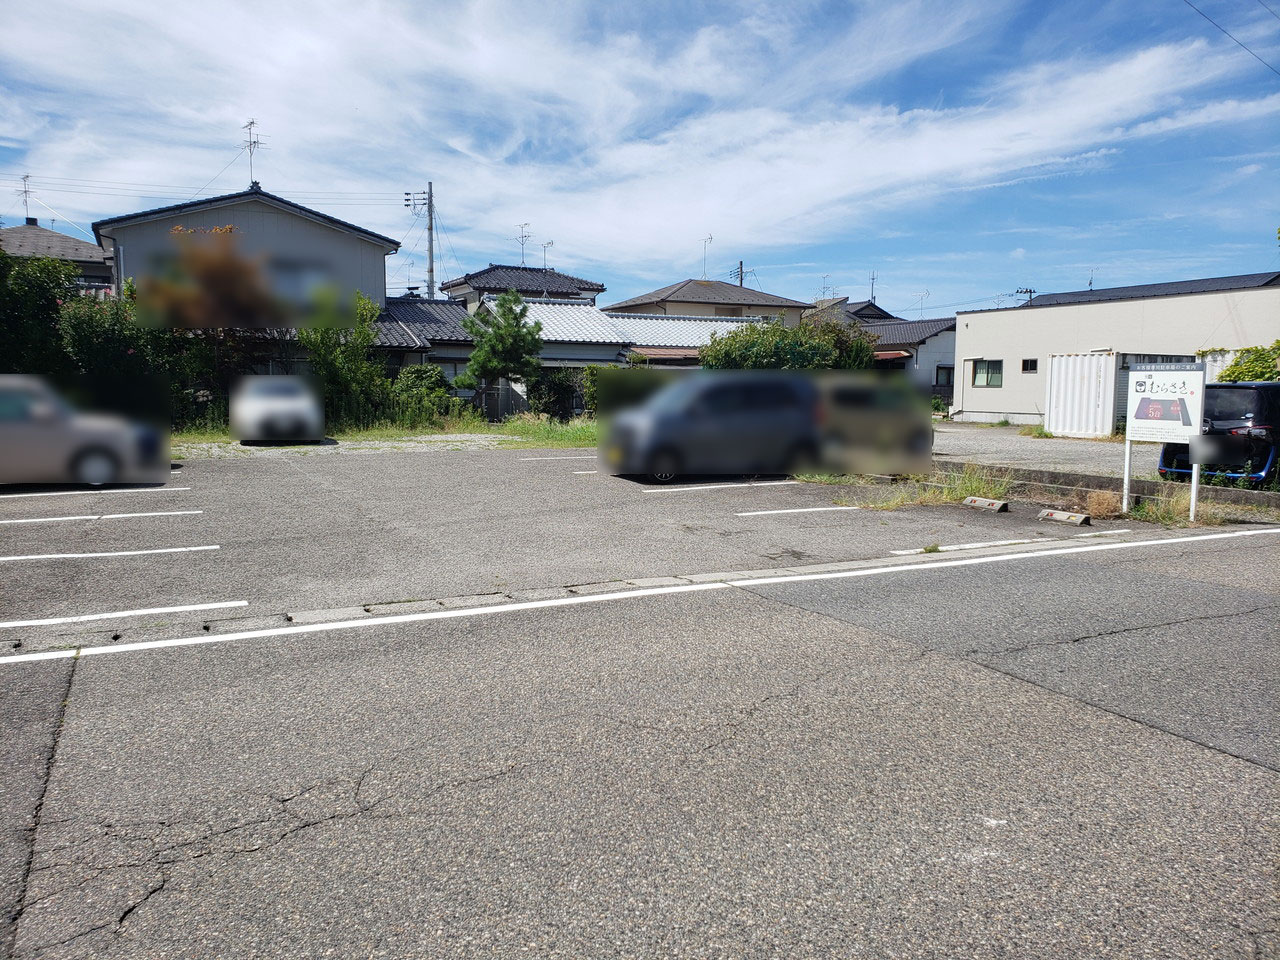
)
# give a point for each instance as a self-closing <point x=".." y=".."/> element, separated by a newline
<point x="523" y="430"/>
<point x="1036" y="430"/>
<point x="935" y="489"/>
<point x="1175" y="511"/>
<point x="540" y="431"/>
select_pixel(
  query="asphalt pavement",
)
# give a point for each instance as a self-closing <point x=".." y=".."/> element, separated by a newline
<point x="580" y="719"/>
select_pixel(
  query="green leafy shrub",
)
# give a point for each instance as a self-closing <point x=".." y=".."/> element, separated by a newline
<point x="553" y="392"/>
<point x="1253" y="363"/>
<point x="809" y="345"/>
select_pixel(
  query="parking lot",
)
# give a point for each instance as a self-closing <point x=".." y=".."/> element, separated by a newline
<point x="493" y="702"/>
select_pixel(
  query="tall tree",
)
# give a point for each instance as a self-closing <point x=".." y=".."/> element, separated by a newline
<point x="31" y="290"/>
<point x="507" y="345"/>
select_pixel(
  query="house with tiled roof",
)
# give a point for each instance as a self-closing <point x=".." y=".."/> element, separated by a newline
<point x="530" y="282"/>
<point x="712" y="298"/>
<point x="923" y="350"/>
<point x="839" y="308"/>
<point x="302" y="251"/>
<point x="32" y="240"/>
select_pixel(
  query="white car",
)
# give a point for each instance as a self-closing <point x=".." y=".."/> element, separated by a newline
<point x="267" y="409"/>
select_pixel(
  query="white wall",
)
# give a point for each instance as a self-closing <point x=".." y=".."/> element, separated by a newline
<point x="1173" y="326"/>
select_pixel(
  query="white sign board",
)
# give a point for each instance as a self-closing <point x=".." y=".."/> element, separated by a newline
<point x="1166" y="402"/>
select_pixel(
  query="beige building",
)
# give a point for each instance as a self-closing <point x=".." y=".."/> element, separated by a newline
<point x="712" y="298"/>
<point x="1002" y="356"/>
<point x="301" y="250"/>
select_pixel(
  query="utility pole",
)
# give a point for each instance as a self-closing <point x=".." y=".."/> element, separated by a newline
<point x="1029" y="292"/>
<point x="431" y="242"/>
<point x="739" y="272"/>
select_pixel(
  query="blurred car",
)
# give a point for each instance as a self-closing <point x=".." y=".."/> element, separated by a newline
<point x="44" y="439"/>
<point x="723" y="423"/>
<point x="874" y="425"/>
<point x="275" y="409"/>
<point x="1240" y="439"/>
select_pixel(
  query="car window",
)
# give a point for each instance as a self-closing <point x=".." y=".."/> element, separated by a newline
<point x="14" y="406"/>
<point x="724" y="399"/>
<point x="771" y="396"/>
<point x="1231" y="403"/>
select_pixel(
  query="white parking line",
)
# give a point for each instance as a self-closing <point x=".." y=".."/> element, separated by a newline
<point x="765" y="513"/>
<point x="720" y="486"/>
<point x="108" y="516"/>
<point x="621" y="595"/>
<point x="113" y="553"/>
<point x="1102" y="533"/>
<point x="120" y="614"/>
<point x="581" y="473"/>
<point x="963" y="546"/>
<point x="71" y="493"/>
<point x="530" y="459"/>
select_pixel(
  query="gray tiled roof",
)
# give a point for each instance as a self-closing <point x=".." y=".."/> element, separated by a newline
<point x="710" y="291"/>
<point x="524" y="280"/>
<point x="29" y="240"/>
<point x="570" y="321"/>
<point x="1141" y="291"/>
<point x="253" y="193"/>
<point x="429" y="320"/>
<point x="655" y="330"/>
<point x="908" y="332"/>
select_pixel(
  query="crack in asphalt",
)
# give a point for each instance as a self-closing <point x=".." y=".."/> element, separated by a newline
<point x="978" y="651"/>
<point x="9" y="941"/>
<point x="281" y="823"/>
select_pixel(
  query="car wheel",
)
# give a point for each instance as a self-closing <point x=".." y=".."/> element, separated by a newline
<point x="664" y="467"/>
<point x="95" y="468"/>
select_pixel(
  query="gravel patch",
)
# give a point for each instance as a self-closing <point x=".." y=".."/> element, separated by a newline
<point x="1005" y="447"/>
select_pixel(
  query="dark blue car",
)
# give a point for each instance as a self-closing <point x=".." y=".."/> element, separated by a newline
<point x="1240" y="440"/>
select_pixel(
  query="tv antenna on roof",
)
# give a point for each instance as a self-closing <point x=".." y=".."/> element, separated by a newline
<point x="26" y="194"/>
<point x="545" y="246"/>
<point x="873" y="286"/>
<point x="525" y="237"/>
<point x="1091" y="271"/>
<point x="920" y="299"/>
<point x="706" y="242"/>
<point x="252" y="142"/>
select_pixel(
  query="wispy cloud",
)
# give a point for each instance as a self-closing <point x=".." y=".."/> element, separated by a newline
<point x="625" y="135"/>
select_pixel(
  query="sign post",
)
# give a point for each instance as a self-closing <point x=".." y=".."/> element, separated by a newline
<point x="1166" y="405"/>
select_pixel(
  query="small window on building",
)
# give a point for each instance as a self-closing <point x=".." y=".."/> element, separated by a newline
<point x="1030" y="366"/>
<point x="988" y="373"/>
<point x="728" y="311"/>
<point x="946" y="376"/>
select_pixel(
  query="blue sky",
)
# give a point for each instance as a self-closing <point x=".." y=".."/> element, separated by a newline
<point x="966" y="149"/>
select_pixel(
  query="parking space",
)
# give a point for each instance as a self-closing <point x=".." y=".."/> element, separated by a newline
<point x="469" y="662"/>
<point x="252" y="544"/>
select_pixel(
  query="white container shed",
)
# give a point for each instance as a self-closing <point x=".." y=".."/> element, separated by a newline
<point x="1080" y="396"/>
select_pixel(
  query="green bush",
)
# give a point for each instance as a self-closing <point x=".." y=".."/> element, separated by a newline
<point x="590" y="383"/>
<point x="419" y="379"/>
<point x="1253" y="363"/>
<point x="31" y="292"/>
<point x="552" y="393"/>
<point x="939" y="404"/>
<point x="809" y="345"/>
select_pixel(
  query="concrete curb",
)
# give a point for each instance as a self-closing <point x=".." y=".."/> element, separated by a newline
<point x="1140" y="488"/>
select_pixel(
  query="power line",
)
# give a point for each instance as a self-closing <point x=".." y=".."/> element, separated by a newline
<point x="219" y="173"/>
<point x="1269" y="10"/>
<point x="1229" y="34"/>
<point x="68" y="219"/>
